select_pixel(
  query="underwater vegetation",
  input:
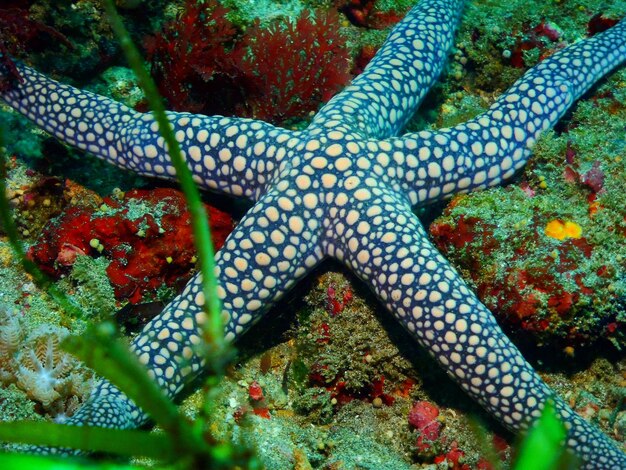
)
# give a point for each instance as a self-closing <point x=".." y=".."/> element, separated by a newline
<point x="273" y="72"/>
<point x="334" y="367"/>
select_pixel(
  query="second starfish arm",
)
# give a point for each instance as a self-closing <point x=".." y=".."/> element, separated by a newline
<point x="230" y="155"/>
<point x="251" y="278"/>
<point x="428" y="297"/>
<point x="381" y="100"/>
<point x="490" y="148"/>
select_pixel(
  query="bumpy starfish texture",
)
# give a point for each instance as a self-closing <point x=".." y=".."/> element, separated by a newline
<point x="344" y="188"/>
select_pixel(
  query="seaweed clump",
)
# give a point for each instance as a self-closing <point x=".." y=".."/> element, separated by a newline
<point x="203" y="63"/>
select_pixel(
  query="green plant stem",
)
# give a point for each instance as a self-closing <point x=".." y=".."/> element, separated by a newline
<point x="213" y="330"/>
<point x="542" y="447"/>
<point x="25" y="462"/>
<point x="126" y="442"/>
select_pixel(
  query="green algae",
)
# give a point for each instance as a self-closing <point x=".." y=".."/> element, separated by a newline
<point x="15" y="405"/>
<point x="90" y="287"/>
<point x="120" y="84"/>
<point x="316" y="403"/>
<point x="22" y="138"/>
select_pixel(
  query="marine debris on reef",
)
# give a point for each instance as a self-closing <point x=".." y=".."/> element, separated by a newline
<point x="338" y="391"/>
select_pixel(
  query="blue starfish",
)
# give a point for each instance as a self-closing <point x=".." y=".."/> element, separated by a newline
<point x="344" y="188"/>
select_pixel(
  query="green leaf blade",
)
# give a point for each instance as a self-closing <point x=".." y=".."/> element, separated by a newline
<point x="543" y="446"/>
<point x="125" y="442"/>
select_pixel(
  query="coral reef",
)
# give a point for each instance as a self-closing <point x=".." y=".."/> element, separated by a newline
<point x="556" y="271"/>
<point x="337" y="390"/>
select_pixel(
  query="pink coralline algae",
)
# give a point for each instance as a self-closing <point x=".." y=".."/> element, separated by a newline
<point x="424" y="417"/>
<point x="146" y="234"/>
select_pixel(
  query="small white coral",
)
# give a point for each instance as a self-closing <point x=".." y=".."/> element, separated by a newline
<point x="43" y="367"/>
<point x="36" y="363"/>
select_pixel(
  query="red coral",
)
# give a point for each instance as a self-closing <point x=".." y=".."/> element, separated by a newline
<point x="295" y="66"/>
<point x="538" y="37"/>
<point x="600" y="23"/>
<point x="202" y="63"/>
<point x="146" y="250"/>
<point x="594" y="178"/>
<point x="453" y="458"/>
<point x="262" y="412"/>
<point x="334" y="305"/>
<point x="255" y="392"/>
<point x="378" y="391"/>
<point x="338" y="387"/>
<point x="466" y="230"/>
<point x="194" y="59"/>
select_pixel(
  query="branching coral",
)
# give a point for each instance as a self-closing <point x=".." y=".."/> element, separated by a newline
<point x="36" y="364"/>
<point x="202" y="63"/>
<point x="294" y="67"/>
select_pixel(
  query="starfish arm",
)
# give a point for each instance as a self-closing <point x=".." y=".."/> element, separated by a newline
<point x="385" y="244"/>
<point x="251" y="278"/>
<point x="231" y="155"/>
<point x="490" y="148"/>
<point x="381" y="100"/>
